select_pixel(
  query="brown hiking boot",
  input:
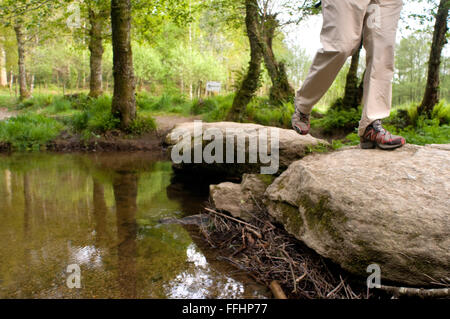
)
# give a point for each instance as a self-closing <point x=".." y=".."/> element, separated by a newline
<point x="301" y="122"/>
<point x="376" y="135"/>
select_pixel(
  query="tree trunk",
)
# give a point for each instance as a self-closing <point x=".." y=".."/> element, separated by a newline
<point x="281" y="91"/>
<point x="350" y="100"/>
<point x="431" y="97"/>
<point x="251" y="81"/>
<point x="3" y="75"/>
<point x="96" y="50"/>
<point x="361" y="90"/>
<point x="125" y="187"/>
<point x="32" y="84"/>
<point x="11" y="82"/>
<point x="21" y="53"/>
<point x="124" y="100"/>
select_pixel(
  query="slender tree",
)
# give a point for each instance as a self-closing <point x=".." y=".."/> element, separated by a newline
<point x="251" y="81"/>
<point x="98" y="15"/>
<point x="20" y="36"/>
<point x="262" y="23"/>
<point x="281" y="90"/>
<point x="26" y="17"/>
<point x="351" y="97"/>
<point x="124" y="100"/>
<point x="3" y="75"/>
<point x="431" y="97"/>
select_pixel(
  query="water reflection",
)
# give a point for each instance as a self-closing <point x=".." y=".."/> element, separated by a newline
<point x="101" y="212"/>
<point x="125" y="186"/>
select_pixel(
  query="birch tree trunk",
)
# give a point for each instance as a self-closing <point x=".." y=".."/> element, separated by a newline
<point x="3" y="75"/>
<point x="24" y="93"/>
<point x="96" y="50"/>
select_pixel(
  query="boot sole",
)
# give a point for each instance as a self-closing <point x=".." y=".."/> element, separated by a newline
<point x="299" y="131"/>
<point x="372" y="145"/>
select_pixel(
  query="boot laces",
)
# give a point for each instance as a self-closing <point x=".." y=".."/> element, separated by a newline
<point x="304" y="117"/>
<point x="379" y="128"/>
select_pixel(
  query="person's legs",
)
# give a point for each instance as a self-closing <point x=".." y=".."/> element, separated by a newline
<point x="379" y="36"/>
<point x="340" y="37"/>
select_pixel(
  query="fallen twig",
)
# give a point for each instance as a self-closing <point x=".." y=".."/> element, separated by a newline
<point x="232" y="218"/>
<point x="417" y="292"/>
<point x="277" y="291"/>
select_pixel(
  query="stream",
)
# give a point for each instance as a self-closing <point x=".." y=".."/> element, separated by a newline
<point x="100" y="213"/>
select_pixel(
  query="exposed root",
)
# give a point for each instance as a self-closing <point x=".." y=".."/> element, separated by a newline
<point x="271" y="255"/>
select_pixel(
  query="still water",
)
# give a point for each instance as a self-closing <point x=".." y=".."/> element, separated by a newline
<point x="102" y="213"/>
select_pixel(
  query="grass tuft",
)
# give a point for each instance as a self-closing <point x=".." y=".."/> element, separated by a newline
<point x="29" y="131"/>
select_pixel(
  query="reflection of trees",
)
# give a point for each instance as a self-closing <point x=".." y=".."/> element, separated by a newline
<point x="27" y="206"/>
<point x="190" y="196"/>
<point x="125" y="186"/>
<point x="8" y="186"/>
<point x="100" y="213"/>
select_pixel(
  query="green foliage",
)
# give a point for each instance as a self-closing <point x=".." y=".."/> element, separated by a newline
<point x="262" y="112"/>
<point x="97" y="117"/>
<point x="6" y="101"/>
<point x="336" y="119"/>
<point x="425" y="132"/>
<point x="441" y="112"/>
<point x="406" y="115"/>
<point x="167" y="103"/>
<point x="319" y="148"/>
<point x="211" y="104"/>
<point x="29" y="131"/>
<point x="25" y="104"/>
<point x="145" y="101"/>
<point x="143" y="124"/>
<point x="221" y="111"/>
<point x="352" y="139"/>
<point x="61" y="105"/>
<point x="204" y="106"/>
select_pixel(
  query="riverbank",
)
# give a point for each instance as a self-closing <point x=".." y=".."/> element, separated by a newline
<point x="109" y="141"/>
<point x="116" y="141"/>
<point x="79" y="123"/>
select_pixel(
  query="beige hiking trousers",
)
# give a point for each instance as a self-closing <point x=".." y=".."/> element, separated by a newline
<point x="344" y="23"/>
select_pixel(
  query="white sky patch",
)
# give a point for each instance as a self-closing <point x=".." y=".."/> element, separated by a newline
<point x="307" y="33"/>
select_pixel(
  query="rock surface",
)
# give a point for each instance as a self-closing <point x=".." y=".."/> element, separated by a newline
<point x="291" y="147"/>
<point x="362" y="207"/>
<point x="240" y="199"/>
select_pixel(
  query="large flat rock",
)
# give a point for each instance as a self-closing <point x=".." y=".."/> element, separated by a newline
<point x="291" y="146"/>
<point x="362" y="207"/>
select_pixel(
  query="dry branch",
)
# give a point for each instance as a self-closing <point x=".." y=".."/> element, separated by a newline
<point x="417" y="292"/>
